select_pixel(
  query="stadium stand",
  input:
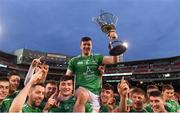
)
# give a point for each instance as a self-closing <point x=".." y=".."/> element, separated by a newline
<point x="157" y="71"/>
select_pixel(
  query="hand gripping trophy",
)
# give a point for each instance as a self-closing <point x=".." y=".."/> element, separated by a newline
<point x="107" y="22"/>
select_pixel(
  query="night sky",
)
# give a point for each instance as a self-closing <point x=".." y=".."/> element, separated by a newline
<point x="151" y="27"/>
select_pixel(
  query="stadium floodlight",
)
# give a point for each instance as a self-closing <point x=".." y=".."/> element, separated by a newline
<point x="117" y="74"/>
<point x="167" y="75"/>
<point x="113" y="81"/>
<point x="141" y="82"/>
<point x="2" y="65"/>
<point x="125" y="44"/>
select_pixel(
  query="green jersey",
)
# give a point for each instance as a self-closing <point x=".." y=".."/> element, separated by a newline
<point x="104" y="108"/>
<point x="86" y="71"/>
<point x="27" y="108"/>
<point x="143" y="110"/>
<point x="173" y="105"/>
<point x="43" y="103"/>
<point x="8" y="101"/>
<point x="148" y="107"/>
<point x="67" y="106"/>
<point x="168" y="108"/>
<point x="1" y="110"/>
<point x="6" y="104"/>
<point x="12" y="96"/>
<point x="129" y="102"/>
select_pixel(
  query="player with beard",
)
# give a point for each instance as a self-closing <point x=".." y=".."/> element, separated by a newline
<point x="137" y="95"/>
<point x="65" y="100"/>
<point x="87" y="75"/>
<point x="35" y="92"/>
<point x="158" y="104"/>
<point x="50" y="89"/>
<point x="35" y="97"/>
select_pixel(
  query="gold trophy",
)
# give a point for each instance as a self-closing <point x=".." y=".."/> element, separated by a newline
<point x="107" y="22"/>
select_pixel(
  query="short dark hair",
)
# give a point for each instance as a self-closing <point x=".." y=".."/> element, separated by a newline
<point x="155" y="94"/>
<point x="66" y="78"/>
<point x="152" y="87"/>
<point x="138" y="91"/>
<point x="4" y="80"/>
<point x="108" y="87"/>
<point x="167" y="87"/>
<point x="51" y="82"/>
<point x="13" y="72"/>
<point x="86" y="38"/>
<point x="38" y="84"/>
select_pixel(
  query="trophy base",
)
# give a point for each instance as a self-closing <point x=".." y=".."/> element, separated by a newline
<point x="117" y="49"/>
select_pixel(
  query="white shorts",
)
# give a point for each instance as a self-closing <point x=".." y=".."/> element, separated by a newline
<point x="93" y="99"/>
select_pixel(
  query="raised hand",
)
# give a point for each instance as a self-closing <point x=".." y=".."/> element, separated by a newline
<point x="45" y="69"/>
<point x="33" y="68"/>
<point x="123" y="88"/>
<point x="59" y="98"/>
<point x="101" y="69"/>
<point x="111" y="104"/>
<point x="40" y="75"/>
<point x="112" y="34"/>
<point x="36" y="62"/>
<point x="51" y="102"/>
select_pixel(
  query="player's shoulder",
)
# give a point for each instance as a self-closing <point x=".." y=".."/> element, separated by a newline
<point x="8" y="100"/>
<point x="76" y="57"/>
<point x="97" y="54"/>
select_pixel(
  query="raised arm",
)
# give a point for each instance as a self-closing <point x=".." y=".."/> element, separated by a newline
<point x="31" y="70"/>
<point x="51" y="102"/>
<point x="20" y="99"/>
<point x="123" y="90"/>
<point x="110" y="59"/>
